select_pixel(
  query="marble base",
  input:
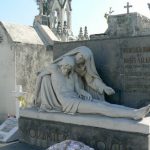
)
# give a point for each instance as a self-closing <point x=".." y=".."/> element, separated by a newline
<point x="99" y="132"/>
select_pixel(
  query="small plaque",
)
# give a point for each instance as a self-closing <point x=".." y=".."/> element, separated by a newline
<point x="137" y="69"/>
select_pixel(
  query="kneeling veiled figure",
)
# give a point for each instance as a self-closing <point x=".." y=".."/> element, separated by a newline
<point x="60" y="90"/>
<point x="87" y="73"/>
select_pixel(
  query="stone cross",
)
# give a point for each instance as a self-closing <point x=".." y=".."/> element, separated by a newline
<point x="110" y="11"/>
<point x="128" y="7"/>
<point x="17" y="93"/>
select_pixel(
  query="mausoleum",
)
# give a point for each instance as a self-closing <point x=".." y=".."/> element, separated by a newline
<point x="24" y="50"/>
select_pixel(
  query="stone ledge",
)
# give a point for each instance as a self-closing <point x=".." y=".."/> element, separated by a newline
<point x="117" y="124"/>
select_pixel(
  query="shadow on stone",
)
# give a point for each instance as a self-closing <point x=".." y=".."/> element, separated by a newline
<point x="19" y="146"/>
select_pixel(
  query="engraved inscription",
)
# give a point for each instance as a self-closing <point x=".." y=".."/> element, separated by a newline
<point x="44" y="133"/>
<point x="136" y="69"/>
<point x="56" y="136"/>
<point x="47" y="135"/>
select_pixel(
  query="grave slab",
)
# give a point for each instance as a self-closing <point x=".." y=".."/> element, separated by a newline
<point x="9" y="130"/>
<point x="99" y="132"/>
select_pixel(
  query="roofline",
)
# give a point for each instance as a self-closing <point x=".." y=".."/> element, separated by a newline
<point x="9" y="37"/>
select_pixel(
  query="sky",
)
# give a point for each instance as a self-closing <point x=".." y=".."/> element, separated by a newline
<point x="88" y="13"/>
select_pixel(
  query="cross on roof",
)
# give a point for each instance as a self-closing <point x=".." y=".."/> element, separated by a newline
<point x="110" y="11"/>
<point x="128" y="7"/>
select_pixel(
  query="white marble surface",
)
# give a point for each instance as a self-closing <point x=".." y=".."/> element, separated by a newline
<point x="9" y="130"/>
<point x="72" y="84"/>
<point x="45" y="33"/>
<point x="118" y="124"/>
<point x="22" y="33"/>
<point x="49" y="33"/>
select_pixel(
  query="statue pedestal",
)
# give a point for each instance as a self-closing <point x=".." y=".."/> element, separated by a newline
<point x="99" y="132"/>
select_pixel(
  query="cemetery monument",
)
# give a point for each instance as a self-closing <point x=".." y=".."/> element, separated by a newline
<point x="96" y="90"/>
<point x="61" y="87"/>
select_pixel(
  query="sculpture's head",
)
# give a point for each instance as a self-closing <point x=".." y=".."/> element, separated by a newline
<point x="79" y="58"/>
<point x="67" y="65"/>
<point x="83" y="54"/>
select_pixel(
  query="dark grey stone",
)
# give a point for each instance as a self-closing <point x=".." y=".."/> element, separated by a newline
<point x="19" y="146"/>
<point x="123" y="64"/>
<point x="46" y="133"/>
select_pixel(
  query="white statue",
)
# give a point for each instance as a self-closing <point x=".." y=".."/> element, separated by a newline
<point x="61" y="88"/>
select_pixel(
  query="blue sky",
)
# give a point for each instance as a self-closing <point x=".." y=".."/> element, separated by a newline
<point x="88" y="13"/>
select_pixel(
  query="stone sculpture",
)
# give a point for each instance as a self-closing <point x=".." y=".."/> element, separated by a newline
<point x="72" y="85"/>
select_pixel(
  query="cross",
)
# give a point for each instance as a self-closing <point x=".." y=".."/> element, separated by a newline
<point x="110" y="11"/>
<point x="128" y="7"/>
<point x="18" y="93"/>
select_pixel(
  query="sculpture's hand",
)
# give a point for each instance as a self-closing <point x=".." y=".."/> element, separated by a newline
<point x="85" y="94"/>
<point x="109" y="90"/>
<point x="88" y="96"/>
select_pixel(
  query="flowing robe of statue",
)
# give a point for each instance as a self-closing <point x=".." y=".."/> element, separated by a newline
<point x="55" y="93"/>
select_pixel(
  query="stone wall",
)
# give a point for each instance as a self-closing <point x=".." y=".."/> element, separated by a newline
<point x="123" y="63"/>
<point x="7" y="76"/>
<point x="19" y="63"/>
<point x="29" y="60"/>
<point x="131" y="24"/>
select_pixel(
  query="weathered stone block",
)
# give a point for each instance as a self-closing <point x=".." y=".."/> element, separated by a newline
<point x="45" y="129"/>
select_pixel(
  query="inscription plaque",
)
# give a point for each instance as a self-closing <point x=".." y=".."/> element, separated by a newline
<point x="136" y="69"/>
